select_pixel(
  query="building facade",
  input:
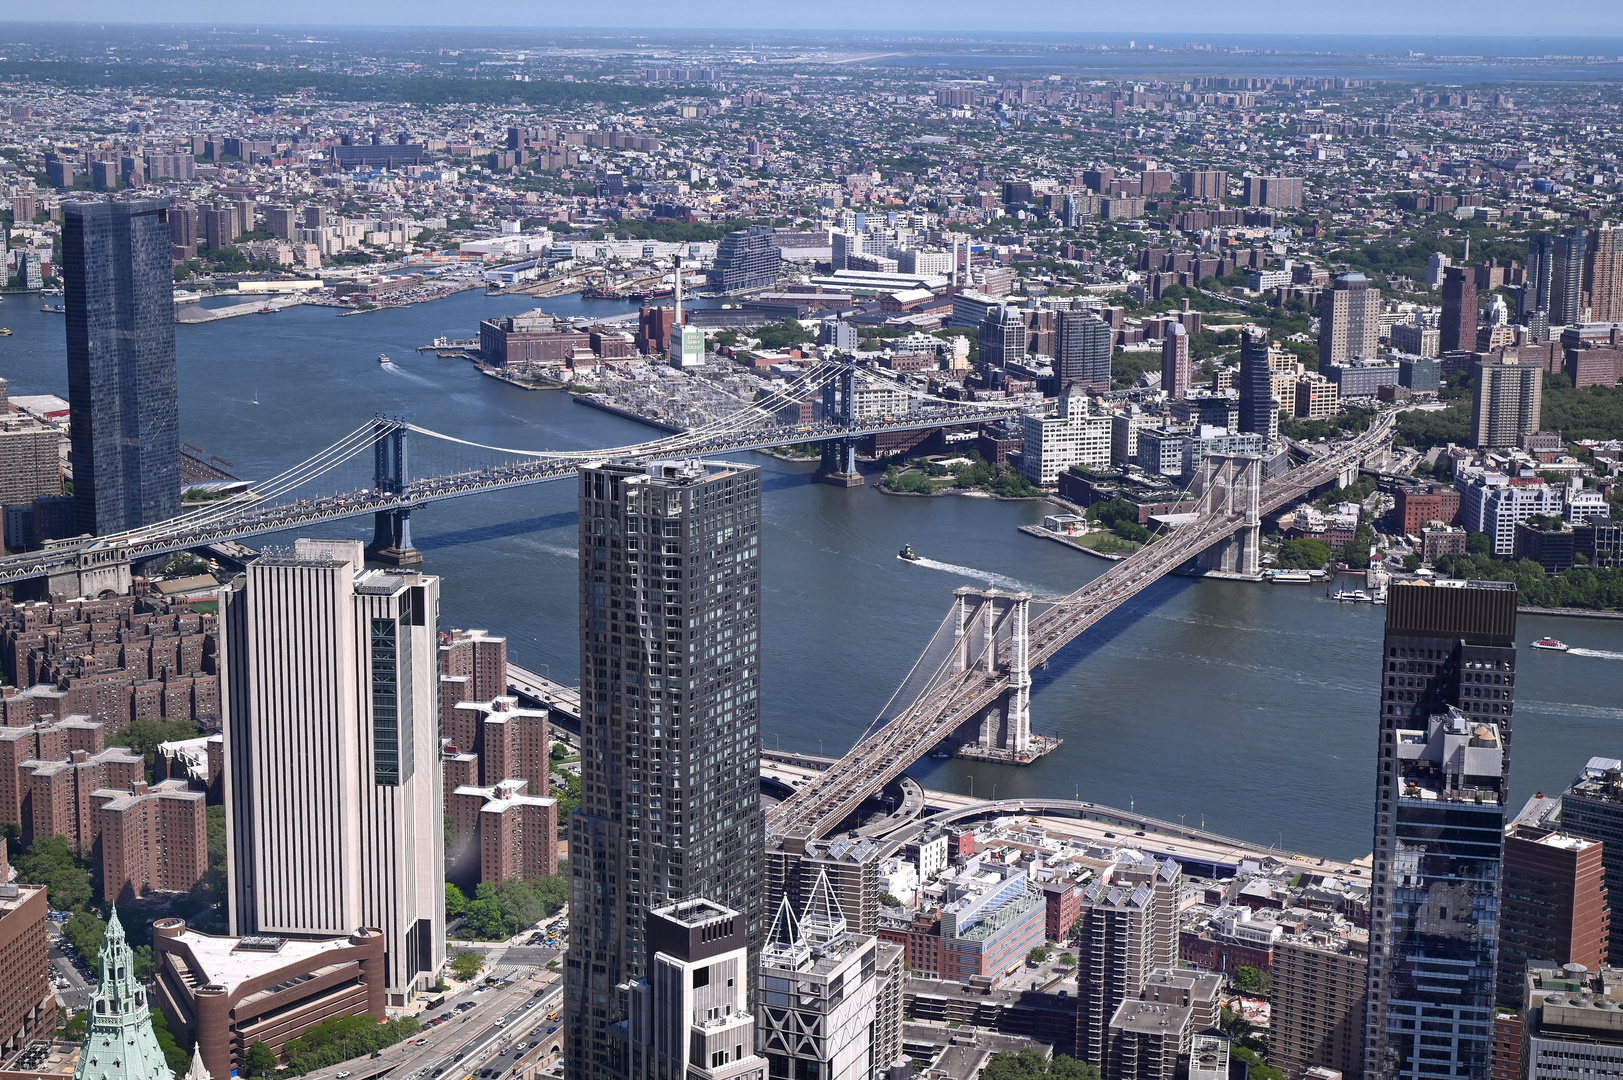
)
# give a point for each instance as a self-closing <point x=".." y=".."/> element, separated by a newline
<point x="1457" y="329"/>
<point x="1177" y="369"/>
<point x="1128" y="929"/>
<point x="333" y="784"/>
<point x="118" y="293"/>
<point x="1553" y="906"/>
<point x="1259" y="407"/>
<point x="745" y="260"/>
<point x="1317" y="1003"/>
<point x="1506" y="403"/>
<point x="1349" y="321"/>
<point x="670" y="678"/>
<point x="1084" y="344"/>
<point x="1448" y="676"/>
<point x="1072" y="435"/>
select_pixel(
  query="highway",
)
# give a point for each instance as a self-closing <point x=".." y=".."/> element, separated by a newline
<point x="821" y="803"/>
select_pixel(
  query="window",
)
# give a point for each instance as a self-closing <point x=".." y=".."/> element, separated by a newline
<point x="385" y="703"/>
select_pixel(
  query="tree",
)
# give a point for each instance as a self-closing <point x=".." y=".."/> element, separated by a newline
<point x="1411" y="562"/>
<point x="1477" y="543"/>
<point x="1039" y="954"/>
<point x="455" y="902"/>
<point x="1302" y="553"/>
<point x="261" y="1060"/>
<point x="1032" y="1064"/>
<point x="144" y="737"/>
<point x="465" y="965"/>
<point x="85" y="932"/>
<point x="1252" y="982"/>
<point x="51" y="863"/>
<point x="1066" y="960"/>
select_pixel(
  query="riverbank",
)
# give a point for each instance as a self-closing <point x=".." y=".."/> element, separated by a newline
<point x="1569" y="612"/>
<point x="1071" y="542"/>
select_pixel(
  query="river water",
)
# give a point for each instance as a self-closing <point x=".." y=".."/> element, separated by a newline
<point x="1250" y="708"/>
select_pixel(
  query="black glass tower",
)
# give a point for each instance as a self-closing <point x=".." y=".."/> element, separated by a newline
<point x="670" y="725"/>
<point x="119" y="294"/>
<point x="1083" y="350"/>
<point x="1448" y="675"/>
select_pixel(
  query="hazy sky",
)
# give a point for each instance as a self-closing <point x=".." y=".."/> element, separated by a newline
<point x="1396" y="17"/>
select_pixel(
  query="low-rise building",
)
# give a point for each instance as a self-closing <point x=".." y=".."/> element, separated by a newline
<point x="1494" y="503"/>
<point x="227" y="993"/>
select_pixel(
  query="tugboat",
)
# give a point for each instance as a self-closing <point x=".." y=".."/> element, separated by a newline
<point x="906" y="554"/>
<point x="1551" y="644"/>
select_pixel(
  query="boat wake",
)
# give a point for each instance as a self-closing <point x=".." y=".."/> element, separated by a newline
<point x="1002" y="581"/>
<point x="1599" y="654"/>
<point x="410" y="376"/>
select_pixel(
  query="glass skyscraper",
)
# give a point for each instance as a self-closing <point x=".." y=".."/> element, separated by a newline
<point x="119" y="295"/>
<point x="1448" y="675"/>
<point x="1083" y="348"/>
<point x="670" y="726"/>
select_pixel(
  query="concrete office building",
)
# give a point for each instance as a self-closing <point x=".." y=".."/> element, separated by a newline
<point x="670" y="723"/>
<point x="225" y="994"/>
<point x="1448" y="676"/>
<point x="1259" y="408"/>
<point x="1318" y="1004"/>
<point x="1177" y="369"/>
<point x="118" y="292"/>
<point x="1552" y="906"/>
<point x="1592" y="808"/>
<point x="1457" y="328"/>
<point x="1506" y="403"/>
<point x="1349" y="321"/>
<point x="1083" y="347"/>
<point x="1572" y="1024"/>
<point x="1127" y="931"/>
<point x="27" y="999"/>
<point x="30" y="462"/>
<point x="690" y="1016"/>
<point x="819" y="991"/>
<point x="333" y="786"/>
<point x="1317" y="398"/>
<point x="1361" y="378"/>
<point x="1072" y="435"/>
<point x="1416" y="340"/>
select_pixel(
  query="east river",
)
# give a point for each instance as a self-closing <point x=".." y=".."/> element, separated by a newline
<point x="1249" y="708"/>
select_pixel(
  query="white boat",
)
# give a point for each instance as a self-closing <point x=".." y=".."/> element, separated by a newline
<point x="1290" y="577"/>
<point x="1352" y="596"/>
<point x="383" y="358"/>
<point x="1550" y="644"/>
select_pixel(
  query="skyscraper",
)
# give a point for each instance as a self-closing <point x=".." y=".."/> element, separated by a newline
<point x="690" y="1014"/>
<point x="1349" y="320"/>
<point x="1448" y="675"/>
<point x="1553" y="906"/>
<point x="1127" y="930"/>
<point x="1567" y="303"/>
<point x="1002" y="337"/>
<point x="1177" y="370"/>
<point x="1603" y="274"/>
<point x="1259" y="409"/>
<point x="1460" y="312"/>
<point x="333" y="786"/>
<point x="1084" y="344"/>
<point x="1536" y="281"/>
<point x="1593" y="809"/>
<point x="670" y="681"/>
<point x="1507" y="402"/>
<point x="118" y="291"/>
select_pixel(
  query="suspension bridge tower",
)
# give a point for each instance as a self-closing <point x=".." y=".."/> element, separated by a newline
<point x="839" y="464"/>
<point x="391" y="528"/>
<point x="1231" y="486"/>
<point x="992" y="632"/>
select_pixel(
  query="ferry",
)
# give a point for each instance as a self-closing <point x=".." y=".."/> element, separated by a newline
<point x="1550" y="644"/>
<point x="906" y="554"/>
<point x="1352" y="596"/>
<point x="1290" y="577"/>
<point x="5" y="331"/>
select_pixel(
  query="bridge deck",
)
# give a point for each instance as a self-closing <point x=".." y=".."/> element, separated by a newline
<point x="819" y="806"/>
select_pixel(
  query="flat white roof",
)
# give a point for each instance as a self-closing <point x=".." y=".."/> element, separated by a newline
<point x="223" y="963"/>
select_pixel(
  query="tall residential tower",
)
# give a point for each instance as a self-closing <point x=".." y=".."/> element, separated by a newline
<point x="670" y="682"/>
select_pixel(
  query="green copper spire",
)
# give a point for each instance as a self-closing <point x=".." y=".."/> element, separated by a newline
<point x="119" y="1041"/>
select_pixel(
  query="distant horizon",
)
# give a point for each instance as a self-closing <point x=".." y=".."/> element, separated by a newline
<point x="1592" y="20"/>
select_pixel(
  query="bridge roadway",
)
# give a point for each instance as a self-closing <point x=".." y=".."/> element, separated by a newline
<point x="819" y="805"/>
<point x="258" y="520"/>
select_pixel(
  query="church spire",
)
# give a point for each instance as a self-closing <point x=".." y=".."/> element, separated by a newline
<point x="119" y="1041"/>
